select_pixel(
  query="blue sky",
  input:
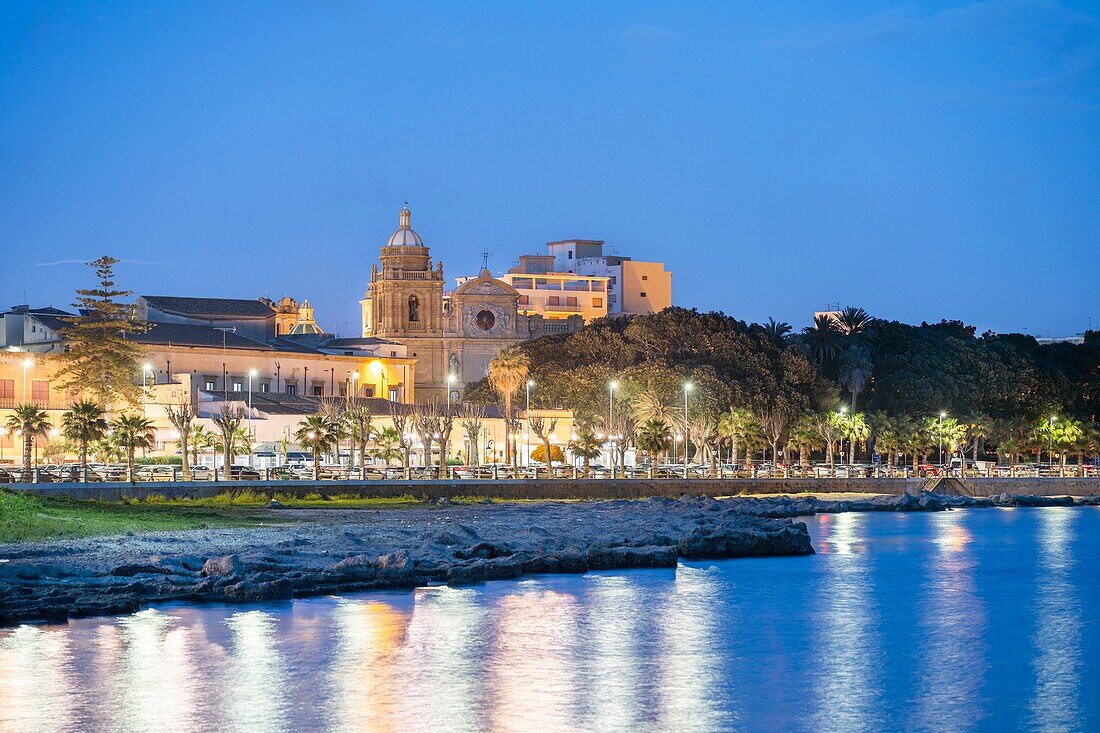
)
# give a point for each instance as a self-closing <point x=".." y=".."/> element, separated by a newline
<point x="923" y="160"/>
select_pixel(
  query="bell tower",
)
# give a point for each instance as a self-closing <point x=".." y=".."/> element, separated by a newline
<point x="405" y="296"/>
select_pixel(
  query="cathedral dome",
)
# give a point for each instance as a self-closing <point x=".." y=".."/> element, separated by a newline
<point x="405" y="236"/>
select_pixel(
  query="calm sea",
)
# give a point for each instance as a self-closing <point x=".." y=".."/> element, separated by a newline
<point x="957" y="621"/>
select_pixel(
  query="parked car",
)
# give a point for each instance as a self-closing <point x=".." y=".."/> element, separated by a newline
<point x="155" y="473"/>
<point x="241" y="473"/>
<point x="282" y="473"/>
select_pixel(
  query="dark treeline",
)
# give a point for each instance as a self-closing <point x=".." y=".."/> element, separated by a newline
<point x="990" y="385"/>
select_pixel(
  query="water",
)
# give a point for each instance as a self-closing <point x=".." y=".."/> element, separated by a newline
<point x="959" y="621"/>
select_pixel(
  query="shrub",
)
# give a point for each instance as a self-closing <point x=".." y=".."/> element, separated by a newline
<point x="556" y="454"/>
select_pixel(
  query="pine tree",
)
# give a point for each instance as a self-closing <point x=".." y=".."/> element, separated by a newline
<point x="99" y="358"/>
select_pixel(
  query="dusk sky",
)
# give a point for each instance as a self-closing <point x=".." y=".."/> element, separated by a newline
<point x="924" y="161"/>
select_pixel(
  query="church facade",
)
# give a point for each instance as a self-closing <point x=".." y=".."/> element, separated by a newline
<point x="454" y="335"/>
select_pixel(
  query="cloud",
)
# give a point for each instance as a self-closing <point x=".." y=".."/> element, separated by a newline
<point x="85" y="261"/>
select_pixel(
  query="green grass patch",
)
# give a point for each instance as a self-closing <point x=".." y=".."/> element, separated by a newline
<point x="26" y="518"/>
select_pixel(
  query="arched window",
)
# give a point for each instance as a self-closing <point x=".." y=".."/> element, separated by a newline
<point x="414" y="308"/>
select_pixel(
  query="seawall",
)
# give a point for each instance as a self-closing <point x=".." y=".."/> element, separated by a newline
<point x="566" y="488"/>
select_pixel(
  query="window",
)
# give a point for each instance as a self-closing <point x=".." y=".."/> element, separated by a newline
<point x="265" y="386"/>
<point x="571" y="300"/>
<point x="40" y="391"/>
<point x="597" y="302"/>
<point x="209" y="384"/>
<point x="344" y="389"/>
<point x="393" y="394"/>
<point x="292" y="389"/>
<point x="238" y="386"/>
<point x="570" y="254"/>
<point x="553" y="300"/>
<point x="318" y="390"/>
<point x="414" y="309"/>
<point x="368" y="391"/>
<point x="641" y="294"/>
<point x="611" y="280"/>
<point x="645" y="277"/>
<point x="524" y="300"/>
<point x="7" y="389"/>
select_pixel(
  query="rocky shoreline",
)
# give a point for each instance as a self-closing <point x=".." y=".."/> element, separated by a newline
<point x="341" y="551"/>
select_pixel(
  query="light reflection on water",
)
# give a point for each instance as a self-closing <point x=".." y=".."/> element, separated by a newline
<point x="845" y="649"/>
<point x="1055" y="701"/>
<point x="977" y="620"/>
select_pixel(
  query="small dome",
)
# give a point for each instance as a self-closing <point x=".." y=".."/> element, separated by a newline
<point x="405" y="236"/>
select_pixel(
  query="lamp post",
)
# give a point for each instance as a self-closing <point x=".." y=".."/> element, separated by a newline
<point x="687" y="388"/>
<point x="939" y="437"/>
<point x="843" y="411"/>
<point x="251" y="374"/>
<point x="527" y="424"/>
<point x="611" y="387"/>
<point x="1050" y="441"/>
<point x="27" y="364"/>
<point x="145" y="369"/>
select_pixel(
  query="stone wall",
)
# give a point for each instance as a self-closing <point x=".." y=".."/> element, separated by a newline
<point x="560" y="488"/>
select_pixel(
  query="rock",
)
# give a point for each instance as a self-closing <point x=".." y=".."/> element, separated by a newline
<point x="480" y="571"/>
<point x="132" y="569"/>
<point x="222" y="566"/>
<point x="248" y="591"/>
<point x="484" y="550"/>
<point x="275" y="504"/>
<point x="746" y="540"/>
<point x="394" y="562"/>
<point x="650" y="556"/>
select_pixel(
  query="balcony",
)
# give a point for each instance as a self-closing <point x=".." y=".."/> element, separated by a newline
<point x="53" y="403"/>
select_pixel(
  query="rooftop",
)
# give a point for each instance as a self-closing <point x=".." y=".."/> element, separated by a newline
<point x="209" y="307"/>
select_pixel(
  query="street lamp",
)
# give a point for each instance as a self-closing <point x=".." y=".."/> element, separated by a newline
<point x="611" y="387"/>
<point x="27" y="364"/>
<point x="527" y="424"/>
<point x="251" y="373"/>
<point x="939" y="437"/>
<point x="146" y="368"/>
<point x="687" y="388"/>
<point x="1050" y="441"/>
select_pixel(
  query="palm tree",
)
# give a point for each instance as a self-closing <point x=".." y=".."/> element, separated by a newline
<point x="978" y="428"/>
<point x="507" y="373"/>
<point x="318" y="433"/>
<point x="855" y="429"/>
<point x="199" y="438"/>
<point x="823" y="338"/>
<point x="586" y="445"/>
<point x="654" y="437"/>
<point x="887" y="436"/>
<point x="776" y="331"/>
<point x="132" y="432"/>
<point x="650" y="405"/>
<point x="30" y="422"/>
<point x="917" y="439"/>
<point x="734" y="425"/>
<point x="83" y="424"/>
<point x="805" y="437"/>
<point x="1067" y="432"/>
<point x="853" y="322"/>
<point x="855" y="370"/>
<point x="387" y="444"/>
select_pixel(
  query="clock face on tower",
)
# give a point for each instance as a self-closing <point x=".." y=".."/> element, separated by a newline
<point x="485" y="320"/>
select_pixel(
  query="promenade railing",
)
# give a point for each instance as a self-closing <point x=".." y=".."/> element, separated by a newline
<point x="501" y="472"/>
